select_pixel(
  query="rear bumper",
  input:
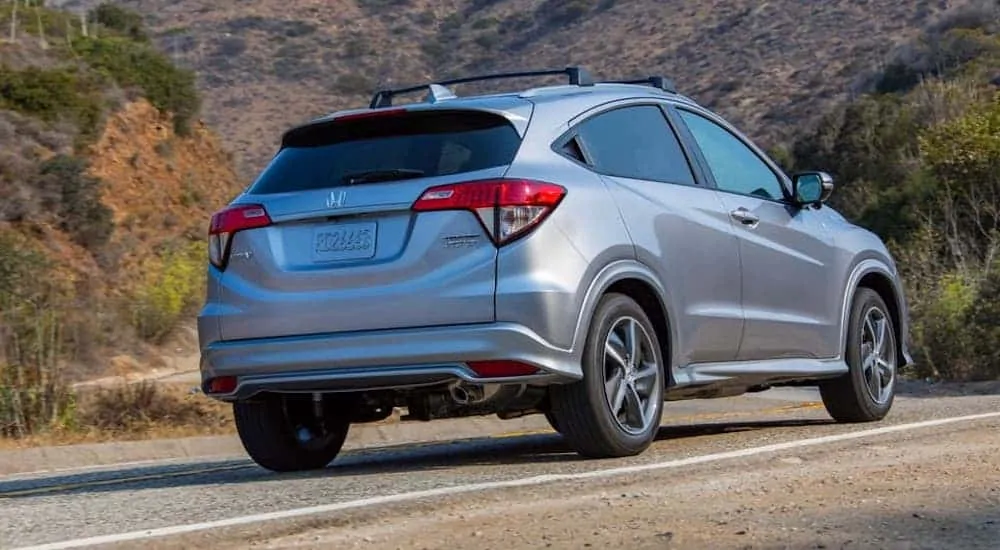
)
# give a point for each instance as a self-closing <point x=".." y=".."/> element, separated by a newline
<point x="402" y="358"/>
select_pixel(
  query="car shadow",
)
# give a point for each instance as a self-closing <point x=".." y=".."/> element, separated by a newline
<point x="531" y="449"/>
<point x="930" y="390"/>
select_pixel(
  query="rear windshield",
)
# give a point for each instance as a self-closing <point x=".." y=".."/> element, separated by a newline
<point x="428" y="143"/>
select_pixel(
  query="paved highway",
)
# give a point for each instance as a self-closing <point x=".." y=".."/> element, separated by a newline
<point x="764" y="471"/>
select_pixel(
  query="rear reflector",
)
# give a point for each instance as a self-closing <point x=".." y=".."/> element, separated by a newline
<point x="507" y="208"/>
<point x="501" y="369"/>
<point x="222" y="384"/>
<point x="225" y="223"/>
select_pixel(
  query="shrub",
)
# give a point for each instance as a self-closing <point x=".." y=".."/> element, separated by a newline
<point x="353" y="83"/>
<point x="935" y="55"/>
<point x="132" y="64"/>
<point x="139" y="407"/>
<point x="121" y="20"/>
<point x="564" y="11"/>
<point x="231" y="46"/>
<point x="32" y="395"/>
<point x="488" y="39"/>
<point x="53" y="95"/>
<point x="484" y="23"/>
<point x="172" y="289"/>
<point x="81" y="212"/>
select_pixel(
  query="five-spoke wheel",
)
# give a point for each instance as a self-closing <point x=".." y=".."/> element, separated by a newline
<point x="631" y="374"/>
<point x="867" y="391"/>
<point x="615" y="410"/>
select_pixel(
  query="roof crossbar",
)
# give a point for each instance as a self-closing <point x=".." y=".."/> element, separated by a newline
<point x="578" y="76"/>
<point x="660" y="82"/>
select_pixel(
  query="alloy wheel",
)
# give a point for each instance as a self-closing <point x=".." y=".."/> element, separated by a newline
<point x="631" y="375"/>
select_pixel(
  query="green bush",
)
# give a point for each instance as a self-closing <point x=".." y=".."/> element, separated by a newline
<point x="171" y="291"/>
<point x="131" y="64"/>
<point x="564" y="11"/>
<point x="918" y="162"/>
<point x="121" y="20"/>
<point x="52" y="95"/>
<point x="33" y="397"/>
<point x="81" y="212"/>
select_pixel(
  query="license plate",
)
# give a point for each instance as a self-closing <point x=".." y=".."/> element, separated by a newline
<point x="354" y="241"/>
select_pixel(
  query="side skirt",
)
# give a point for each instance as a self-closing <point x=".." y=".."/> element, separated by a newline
<point x="711" y="380"/>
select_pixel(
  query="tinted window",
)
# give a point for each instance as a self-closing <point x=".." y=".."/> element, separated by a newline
<point x="636" y="142"/>
<point x="434" y="143"/>
<point x="735" y="166"/>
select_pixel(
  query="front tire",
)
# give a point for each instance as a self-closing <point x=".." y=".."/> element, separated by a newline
<point x="284" y="434"/>
<point x="615" y="410"/>
<point x="867" y="391"/>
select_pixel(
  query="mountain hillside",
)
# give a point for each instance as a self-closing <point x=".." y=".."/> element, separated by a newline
<point x="108" y="179"/>
<point x="771" y="66"/>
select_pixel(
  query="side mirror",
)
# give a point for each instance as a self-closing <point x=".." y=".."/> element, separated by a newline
<point x="811" y="188"/>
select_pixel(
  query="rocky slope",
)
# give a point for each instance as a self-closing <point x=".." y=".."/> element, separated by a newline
<point x="772" y="66"/>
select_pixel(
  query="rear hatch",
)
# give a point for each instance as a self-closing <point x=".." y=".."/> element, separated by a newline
<point x="340" y="249"/>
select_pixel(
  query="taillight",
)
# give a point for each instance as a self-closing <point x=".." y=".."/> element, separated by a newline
<point x="226" y="222"/>
<point x="507" y="208"/>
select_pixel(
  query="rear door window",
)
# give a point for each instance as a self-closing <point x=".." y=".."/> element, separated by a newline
<point x="635" y="142"/>
<point x="416" y="144"/>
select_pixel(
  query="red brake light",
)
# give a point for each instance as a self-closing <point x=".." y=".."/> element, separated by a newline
<point x="507" y="208"/>
<point x="227" y="222"/>
<point x="370" y="114"/>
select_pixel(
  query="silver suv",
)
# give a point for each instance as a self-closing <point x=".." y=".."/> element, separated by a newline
<point x="584" y="251"/>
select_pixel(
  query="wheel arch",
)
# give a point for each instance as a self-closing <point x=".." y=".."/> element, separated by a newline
<point x="875" y="275"/>
<point x="638" y="282"/>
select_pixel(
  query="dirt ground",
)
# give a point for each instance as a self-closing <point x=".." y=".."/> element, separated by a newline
<point x="908" y="493"/>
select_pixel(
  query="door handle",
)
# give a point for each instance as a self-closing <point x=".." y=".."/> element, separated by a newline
<point x="745" y="216"/>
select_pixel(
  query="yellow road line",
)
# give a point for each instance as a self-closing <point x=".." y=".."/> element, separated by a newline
<point x="119" y="481"/>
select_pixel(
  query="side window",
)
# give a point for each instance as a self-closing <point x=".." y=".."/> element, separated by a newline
<point x="636" y="142"/>
<point x="735" y="166"/>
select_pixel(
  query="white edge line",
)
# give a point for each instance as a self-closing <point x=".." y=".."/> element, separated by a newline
<point x="521" y="482"/>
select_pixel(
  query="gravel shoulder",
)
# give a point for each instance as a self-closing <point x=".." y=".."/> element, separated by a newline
<point x="858" y="493"/>
<point x="901" y="493"/>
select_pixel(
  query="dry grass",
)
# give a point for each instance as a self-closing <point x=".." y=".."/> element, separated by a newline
<point x="138" y="411"/>
<point x="770" y="66"/>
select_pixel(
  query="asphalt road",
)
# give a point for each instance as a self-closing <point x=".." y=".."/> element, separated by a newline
<point x="765" y="471"/>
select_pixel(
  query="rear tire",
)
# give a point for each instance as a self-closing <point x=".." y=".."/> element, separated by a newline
<point x="283" y="434"/>
<point x="622" y="372"/>
<point x="867" y="391"/>
<point x="552" y="421"/>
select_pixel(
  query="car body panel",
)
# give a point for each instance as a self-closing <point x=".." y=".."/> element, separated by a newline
<point x="685" y="236"/>
<point x="744" y="308"/>
<point x="429" y="269"/>
<point x="788" y="264"/>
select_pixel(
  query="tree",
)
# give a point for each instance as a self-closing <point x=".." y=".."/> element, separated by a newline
<point x="13" y="21"/>
<point x="41" y="28"/>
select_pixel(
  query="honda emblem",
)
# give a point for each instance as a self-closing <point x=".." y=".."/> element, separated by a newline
<point x="336" y="199"/>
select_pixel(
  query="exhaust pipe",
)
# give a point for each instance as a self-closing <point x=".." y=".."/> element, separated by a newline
<point x="469" y="394"/>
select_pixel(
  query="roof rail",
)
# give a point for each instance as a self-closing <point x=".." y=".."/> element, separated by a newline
<point x="660" y="82"/>
<point x="578" y="76"/>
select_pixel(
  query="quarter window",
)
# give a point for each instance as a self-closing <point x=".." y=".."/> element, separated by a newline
<point x="635" y="142"/>
<point x="735" y="166"/>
